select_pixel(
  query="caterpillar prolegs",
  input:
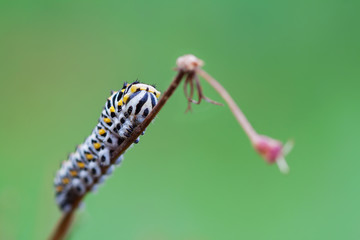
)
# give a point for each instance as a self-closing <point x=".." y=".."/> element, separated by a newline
<point x="123" y="111"/>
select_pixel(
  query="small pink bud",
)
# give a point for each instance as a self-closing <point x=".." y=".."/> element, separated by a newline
<point x="273" y="151"/>
<point x="268" y="148"/>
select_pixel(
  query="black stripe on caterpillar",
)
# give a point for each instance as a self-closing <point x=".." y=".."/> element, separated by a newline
<point x="123" y="111"/>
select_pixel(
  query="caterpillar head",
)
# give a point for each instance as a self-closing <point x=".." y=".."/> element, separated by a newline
<point x="139" y="100"/>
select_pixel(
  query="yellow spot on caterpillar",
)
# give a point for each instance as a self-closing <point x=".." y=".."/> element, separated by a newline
<point x="65" y="180"/>
<point x="102" y="132"/>
<point x="157" y="94"/>
<point x="123" y="90"/>
<point x="112" y="109"/>
<point x="59" y="188"/>
<point x="89" y="156"/>
<point x="73" y="173"/>
<point x="143" y="89"/>
<point x="97" y="146"/>
<point x="81" y="164"/>
<point x="126" y="97"/>
<point x="120" y="103"/>
<point x="107" y="120"/>
<point x="133" y="88"/>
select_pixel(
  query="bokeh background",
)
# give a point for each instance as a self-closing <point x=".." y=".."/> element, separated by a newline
<point x="293" y="67"/>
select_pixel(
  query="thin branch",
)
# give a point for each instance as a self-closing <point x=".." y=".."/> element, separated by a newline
<point x="64" y="223"/>
<point x="270" y="149"/>
<point x="239" y="115"/>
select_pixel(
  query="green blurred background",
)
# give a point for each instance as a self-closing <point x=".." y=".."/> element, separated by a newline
<point x="293" y="67"/>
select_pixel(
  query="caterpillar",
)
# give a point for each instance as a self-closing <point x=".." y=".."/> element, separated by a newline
<point x="123" y="111"/>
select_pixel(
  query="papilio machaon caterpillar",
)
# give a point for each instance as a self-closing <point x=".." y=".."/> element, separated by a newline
<point x="123" y="111"/>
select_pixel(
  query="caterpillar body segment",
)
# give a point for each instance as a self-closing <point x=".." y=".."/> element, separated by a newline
<point x="85" y="177"/>
<point x="123" y="111"/>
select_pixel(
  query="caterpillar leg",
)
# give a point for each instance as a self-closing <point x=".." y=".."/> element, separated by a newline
<point x="119" y="160"/>
<point x="94" y="169"/>
<point x="85" y="177"/>
<point x="110" y="170"/>
<point x="78" y="186"/>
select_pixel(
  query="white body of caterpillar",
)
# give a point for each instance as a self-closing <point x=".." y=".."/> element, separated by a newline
<point x="123" y="111"/>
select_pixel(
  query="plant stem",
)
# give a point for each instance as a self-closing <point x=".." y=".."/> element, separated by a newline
<point x="270" y="149"/>
<point x="239" y="115"/>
